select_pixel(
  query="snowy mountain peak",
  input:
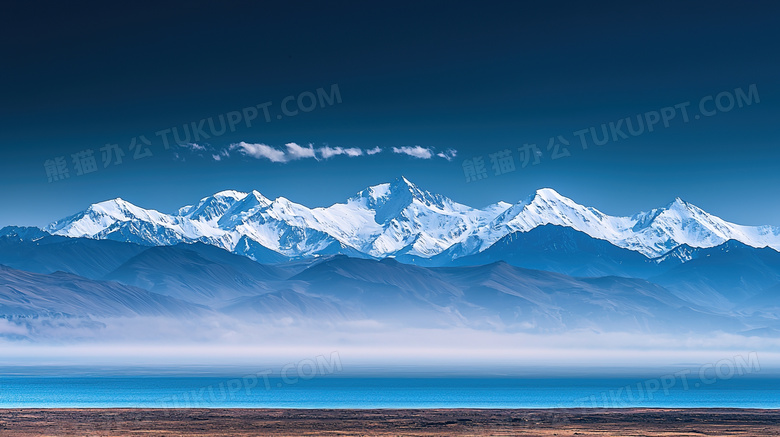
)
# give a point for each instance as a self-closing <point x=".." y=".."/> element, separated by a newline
<point x="678" y="209"/>
<point x="102" y="217"/>
<point x="547" y="207"/>
<point x="679" y="204"/>
<point x="547" y="198"/>
<point x="683" y="208"/>
<point x="116" y="202"/>
<point x="499" y="206"/>
<point x="233" y="194"/>
<point x="390" y="199"/>
<point x="286" y="207"/>
<point x="403" y="181"/>
<point x="375" y="194"/>
<point x="212" y="208"/>
<point x="240" y="209"/>
<point x="398" y="218"/>
<point x="549" y="194"/>
<point x="281" y="200"/>
<point x="253" y="199"/>
<point x="403" y="185"/>
<point x="117" y="208"/>
<point x="544" y="199"/>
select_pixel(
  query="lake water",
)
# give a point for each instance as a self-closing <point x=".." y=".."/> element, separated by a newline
<point x="338" y="391"/>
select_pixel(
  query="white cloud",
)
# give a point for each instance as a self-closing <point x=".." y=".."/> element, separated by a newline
<point x="295" y="151"/>
<point x="259" y="151"/>
<point x="448" y="154"/>
<point x="195" y="147"/>
<point x="420" y="152"/>
<point x="416" y="151"/>
<point x="221" y="155"/>
<point x="327" y="152"/>
<point x="353" y="152"/>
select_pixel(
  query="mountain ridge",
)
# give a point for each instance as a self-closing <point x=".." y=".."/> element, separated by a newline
<point x="397" y="219"/>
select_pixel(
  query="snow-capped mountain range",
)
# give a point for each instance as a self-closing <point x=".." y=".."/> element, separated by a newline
<point x="396" y="219"/>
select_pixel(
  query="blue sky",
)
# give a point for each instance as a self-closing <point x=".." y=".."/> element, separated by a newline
<point x="474" y="78"/>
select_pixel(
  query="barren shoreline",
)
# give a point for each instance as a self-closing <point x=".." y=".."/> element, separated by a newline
<point x="380" y="422"/>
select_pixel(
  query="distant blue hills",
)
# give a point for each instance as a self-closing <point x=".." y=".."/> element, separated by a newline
<point x="551" y="279"/>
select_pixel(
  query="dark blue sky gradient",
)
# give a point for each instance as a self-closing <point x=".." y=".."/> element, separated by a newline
<point x="476" y="77"/>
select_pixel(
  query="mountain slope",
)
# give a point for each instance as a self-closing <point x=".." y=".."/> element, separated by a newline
<point x="197" y="273"/>
<point x="41" y="252"/>
<point x="724" y="276"/>
<point x="500" y="296"/>
<point x="25" y="294"/>
<point x="558" y="249"/>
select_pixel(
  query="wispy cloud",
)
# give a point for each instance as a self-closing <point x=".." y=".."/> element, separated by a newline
<point x="221" y="155"/>
<point x="420" y="152"/>
<point x="329" y="152"/>
<point x="448" y="154"/>
<point x="415" y="152"/>
<point x="195" y="147"/>
<point x="293" y="152"/>
<point x="260" y="151"/>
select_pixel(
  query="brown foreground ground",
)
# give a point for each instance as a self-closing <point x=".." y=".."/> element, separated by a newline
<point x="441" y="422"/>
